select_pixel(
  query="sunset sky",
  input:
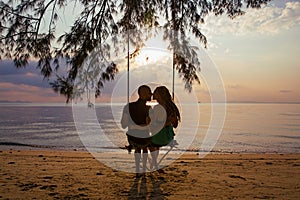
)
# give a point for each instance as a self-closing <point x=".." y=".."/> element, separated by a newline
<point x="257" y="56"/>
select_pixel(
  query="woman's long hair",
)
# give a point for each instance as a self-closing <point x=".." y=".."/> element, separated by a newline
<point x="167" y="101"/>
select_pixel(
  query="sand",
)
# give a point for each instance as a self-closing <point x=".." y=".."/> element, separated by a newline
<point x="45" y="174"/>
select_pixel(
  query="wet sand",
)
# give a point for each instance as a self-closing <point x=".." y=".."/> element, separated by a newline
<point x="45" y="174"/>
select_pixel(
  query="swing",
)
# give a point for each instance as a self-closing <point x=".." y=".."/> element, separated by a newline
<point x="173" y="143"/>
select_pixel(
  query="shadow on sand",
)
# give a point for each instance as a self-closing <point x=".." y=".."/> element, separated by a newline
<point x="146" y="187"/>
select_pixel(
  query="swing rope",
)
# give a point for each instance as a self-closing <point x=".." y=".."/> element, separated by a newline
<point x="128" y="66"/>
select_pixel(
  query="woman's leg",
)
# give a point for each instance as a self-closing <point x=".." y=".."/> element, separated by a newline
<point x="154" y="154"/>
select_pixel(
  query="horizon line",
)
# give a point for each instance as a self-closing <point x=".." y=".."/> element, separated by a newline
<point x="199" y="102"/>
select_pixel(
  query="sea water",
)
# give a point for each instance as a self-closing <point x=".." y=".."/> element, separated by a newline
<point x="248" y="128"/>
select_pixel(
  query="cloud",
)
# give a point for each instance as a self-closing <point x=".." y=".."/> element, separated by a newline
<point x="25" y="84"/>
<point x="267" y="20"/>
<point x="27" y="76"/>
<point x="16" y="92"/>
<point x="7" y="67"/>
<point x="282" y="18"/>
<point x="235" y="86"/>
<point x="227" y="51"/>
<point x="30" y="74"/>
<point x="285" y="91"/>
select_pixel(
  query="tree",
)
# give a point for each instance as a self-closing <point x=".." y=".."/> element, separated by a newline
<point x="22" y="37"/>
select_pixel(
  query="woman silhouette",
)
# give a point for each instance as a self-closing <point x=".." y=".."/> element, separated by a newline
<point x="164" y="117"/>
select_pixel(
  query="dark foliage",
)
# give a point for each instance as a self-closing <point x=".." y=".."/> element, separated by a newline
<point x="22" y="37"/>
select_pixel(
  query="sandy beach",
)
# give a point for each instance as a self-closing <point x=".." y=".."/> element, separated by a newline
<point x="45" y="174"/>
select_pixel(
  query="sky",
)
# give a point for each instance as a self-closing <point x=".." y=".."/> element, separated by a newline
<point x="257" y="56"/>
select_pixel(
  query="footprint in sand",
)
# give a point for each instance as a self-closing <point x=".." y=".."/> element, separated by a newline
<point x="48" y="187"/>
<point x="28" y="186"/>
<point x="48" y="177"/>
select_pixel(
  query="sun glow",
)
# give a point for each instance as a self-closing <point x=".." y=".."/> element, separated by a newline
<point x="152" y="103"/>
<point x="151" y="55"/>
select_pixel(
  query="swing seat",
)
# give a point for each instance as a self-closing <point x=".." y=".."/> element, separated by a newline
<point x="173" y="143"/>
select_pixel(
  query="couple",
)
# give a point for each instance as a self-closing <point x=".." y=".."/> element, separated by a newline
<point x="141" y="120"/>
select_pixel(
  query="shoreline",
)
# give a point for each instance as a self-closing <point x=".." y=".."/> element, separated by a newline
<point x="56" y="174"/>
<point x="30" y="147"/>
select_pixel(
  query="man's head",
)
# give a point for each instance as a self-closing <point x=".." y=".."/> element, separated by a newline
<point x="144" y="92"/>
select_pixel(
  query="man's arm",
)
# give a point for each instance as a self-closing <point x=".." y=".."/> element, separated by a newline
<point x="148" y="118"/>
<point x="125" y="117"/>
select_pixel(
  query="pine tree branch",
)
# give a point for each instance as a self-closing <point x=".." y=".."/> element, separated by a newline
<point x="9" y="10"/>
<point x="41" y="17"/>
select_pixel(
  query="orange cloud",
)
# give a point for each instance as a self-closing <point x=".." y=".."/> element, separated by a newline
<point x="22" y="92"/>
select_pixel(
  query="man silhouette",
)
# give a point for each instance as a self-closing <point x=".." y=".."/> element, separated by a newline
<point x="135" y="117"/>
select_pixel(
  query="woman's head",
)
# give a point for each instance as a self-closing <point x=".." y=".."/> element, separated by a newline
<point x="162" y="94"/>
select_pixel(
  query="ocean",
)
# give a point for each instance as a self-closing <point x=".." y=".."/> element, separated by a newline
<point x="248" y="128"/>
